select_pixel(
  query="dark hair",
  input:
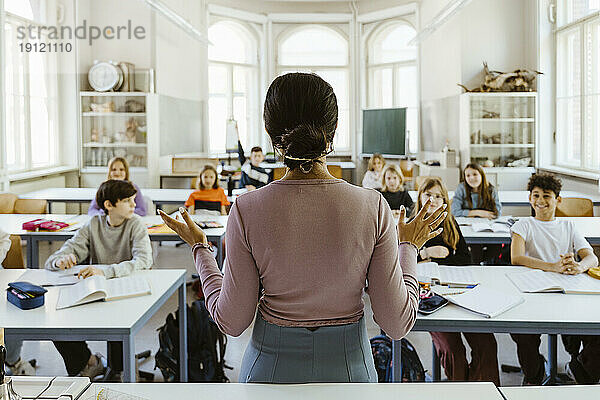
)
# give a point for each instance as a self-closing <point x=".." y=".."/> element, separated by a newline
<point x="256" y="149"/>
<point x="114" y="190"/>
<point x="486" y="190"/>
<point x="207" y="167"/>
<point x="545" y="182"/>
<point x="301" y="116"/>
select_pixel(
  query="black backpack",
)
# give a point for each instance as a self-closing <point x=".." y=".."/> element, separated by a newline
<point x="412" y="369"/>
<point x="205" y="361"/>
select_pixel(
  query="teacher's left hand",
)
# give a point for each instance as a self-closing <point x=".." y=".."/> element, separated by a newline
<point x="189" y="231"/>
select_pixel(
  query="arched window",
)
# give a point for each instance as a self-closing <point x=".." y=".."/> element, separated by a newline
<point x="232" y="83"/>
<point x="324" y="51"/>
<point x="392" y="74"/>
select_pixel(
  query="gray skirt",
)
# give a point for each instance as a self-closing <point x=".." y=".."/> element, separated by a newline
<point x="278" y="354"/>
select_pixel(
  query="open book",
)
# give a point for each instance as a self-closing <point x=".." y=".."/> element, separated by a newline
<point x="431" y="272"/>
<point x="482" y="300"/>
<point x="44" y="277"/>
<point x="97" y="288"/>
<point x="538" y="281"/>
<point x="490" y="226"/>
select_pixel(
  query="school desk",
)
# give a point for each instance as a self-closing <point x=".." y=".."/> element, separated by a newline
<point x="589" y="227"/>
<point x="112" y="321"/>
<point x="49" y="388"/>
<point x="582" y="392"/>
<point x="12" y="224"/>
<point x="159" y="197"/>
<point x="520" y="198"/>
<point x="323" y="391"/>
<point x="543" y="313"/>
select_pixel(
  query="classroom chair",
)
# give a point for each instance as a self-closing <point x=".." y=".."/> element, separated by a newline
<point x="11" y="204"/>
<point x="406" y="166"/>
<point x="419" y="180"/>
<point x="575" y="207"/>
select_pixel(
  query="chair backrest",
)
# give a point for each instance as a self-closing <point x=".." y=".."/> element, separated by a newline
<point x="7" y="203"/>
<point x="335" y="170"/>
<point x="14" y="257"/>
<point x="419" y="180"/>
<point x="575" y="207"/>
<point x="30" y="206"/>
<point x="406" y="166"/>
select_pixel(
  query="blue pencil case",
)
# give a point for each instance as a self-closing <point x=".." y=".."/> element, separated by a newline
<point x="25" y="295"/>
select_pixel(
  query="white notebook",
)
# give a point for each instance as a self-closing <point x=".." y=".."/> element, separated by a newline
<point x="99" y="288"/>
<point x="538" y="281"/>
<point x="45" y="277"/>
<point x="490" y="227"/>
<point x="431" y="272"/>
<point x="483" y="300"/>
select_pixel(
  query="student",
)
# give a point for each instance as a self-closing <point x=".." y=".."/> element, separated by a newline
<point x="208" y="194"/>
<point x="281" y="237"/>
<point x="373" y="176"/>
<point x="392" y="189"/>
<point x="118" y="168"/>
<point x="16" y="365"/>
<point x="450" y="248"/>
<point x="475" y="197"/>
<point x="253" y="175"/>
<point x="545" y="243"/>
<point x="118" y="239"/>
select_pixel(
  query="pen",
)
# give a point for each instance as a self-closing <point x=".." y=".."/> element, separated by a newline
<point x="452" y="293"/>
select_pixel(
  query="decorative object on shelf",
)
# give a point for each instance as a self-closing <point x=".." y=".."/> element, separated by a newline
<point x="94" y="135"/>
<point x="487" y="164"/>
<point x="105" y="76"/>
<point x="132" y="106"/>
<point x="106" y="107"/>
<point x="144" y="80"/>
<point x="128" y="76"/>
<point x="489" y="114"/>
<point x="523" y="162"/>
<point x="131" y="129"/>
<point x="520" y="80"/>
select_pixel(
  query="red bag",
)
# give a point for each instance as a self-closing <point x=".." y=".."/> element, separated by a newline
<point x="32" y="225"/>
<point x="43" y="224"/>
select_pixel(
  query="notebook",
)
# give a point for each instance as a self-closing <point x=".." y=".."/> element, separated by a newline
<point x="431" y="272"/>
<point x="538" y="281"/>
<point x="44" y="277"/>
<point x="490" y="226"/>
<point x="482" y="300"/>
<point x="97" y="288"/>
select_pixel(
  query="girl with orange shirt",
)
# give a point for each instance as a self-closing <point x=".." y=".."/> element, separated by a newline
<point x="208" y="196"/>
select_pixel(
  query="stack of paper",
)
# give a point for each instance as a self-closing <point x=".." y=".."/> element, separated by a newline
<point x="538" y="281"/>
<point x="431" y="272"/>
<point x="482" y="300"/>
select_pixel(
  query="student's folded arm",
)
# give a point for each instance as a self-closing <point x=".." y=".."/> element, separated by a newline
<point x="78" y="245"/>
<point x="518" y="257"/>
<point x="231" y="298"/>
<point x="588" y="258"/>
<point x="457" y="202"/>
<point x="393" y="286"/>
<point x="141" y="254"/>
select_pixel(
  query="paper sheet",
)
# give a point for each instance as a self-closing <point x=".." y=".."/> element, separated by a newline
<point x="536" y="281"/>
<point x="485" y="301"/>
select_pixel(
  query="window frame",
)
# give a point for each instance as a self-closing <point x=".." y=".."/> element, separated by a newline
<point x="253" y="123"/>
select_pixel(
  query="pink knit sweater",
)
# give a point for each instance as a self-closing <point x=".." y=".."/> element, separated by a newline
<point x="315" y="245"/>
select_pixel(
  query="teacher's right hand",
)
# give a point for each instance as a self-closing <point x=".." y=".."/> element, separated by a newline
<point x="422" y="227"/>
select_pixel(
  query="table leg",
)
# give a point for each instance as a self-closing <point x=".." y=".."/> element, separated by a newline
<point x="35" y="253"/>
<point x="552" y="360"/>
<point x="396" y="361"/>
<point x="436" y="371"/>
<point x="128" y="359"/>
<point x="49" y="207"/>
<point x="29" y="241"/>
<point x="183" y="347"/>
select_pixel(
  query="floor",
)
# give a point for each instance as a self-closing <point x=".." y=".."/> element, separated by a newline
<point x="50" y="364"/>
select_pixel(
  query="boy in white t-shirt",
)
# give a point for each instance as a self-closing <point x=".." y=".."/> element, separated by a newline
<point x="545" y="243"/>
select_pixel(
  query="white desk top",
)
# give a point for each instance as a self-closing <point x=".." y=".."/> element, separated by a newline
<point x="589" y="227"/>
<point x="119" y="314"/>
<point x="521" y="197"/>
<point x="539" y="311"/>
<point x="65" y="387"/>
<point x="348" y="391"/>
<point x="551" y="392"/>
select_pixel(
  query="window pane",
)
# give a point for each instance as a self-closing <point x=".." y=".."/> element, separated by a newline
<point x="406" y="87"/>
<point x="15" y="132"/>
<point x="381" y="88"/>
<point x="338" y="79"/>
<point x="240" y="75"/>
<point x="22" y="8"/>
<point x="230" y="42"/>
<point x="391" y="45"/>
<point x="240" y="115"/>
<point x="217" y="78"/>
<point x="571" y="10"/>
<point x="217" y="122"/>
<point x="569" y="63"/>
<point x="314" y="46"/>
<point x="41" y="141"/>
<point x="568" y="150"/>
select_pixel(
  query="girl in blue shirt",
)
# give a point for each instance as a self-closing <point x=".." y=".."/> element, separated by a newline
<point x="475" y="196"/>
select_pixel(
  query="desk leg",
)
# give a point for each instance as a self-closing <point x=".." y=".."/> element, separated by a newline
<point x="49" y="207"/>
<point x="436" y="371"/>
<point x="128" y="359"/>
<point x="29" y="241"/>
<point x="396" y="361"/>
<point x="552" y="359"/>
<point x="34" y="252"/>
<point x="183" y="347"/>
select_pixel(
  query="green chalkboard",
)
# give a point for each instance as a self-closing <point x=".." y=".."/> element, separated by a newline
<point x="384" y="131"/>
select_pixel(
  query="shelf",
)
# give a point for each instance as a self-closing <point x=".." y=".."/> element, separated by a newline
<point x="112" y="114"/>
<point x="503" y="119"/>
<point x="124" y="144"/>
<point x="113" y="94"/>
<point x="509" y="145"/>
